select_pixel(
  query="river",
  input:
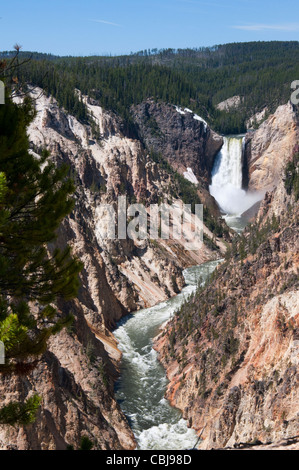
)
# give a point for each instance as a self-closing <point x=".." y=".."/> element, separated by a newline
<point x="142" y="384"/>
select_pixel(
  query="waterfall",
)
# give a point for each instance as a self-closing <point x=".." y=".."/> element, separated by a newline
<point x="227" y="178"/>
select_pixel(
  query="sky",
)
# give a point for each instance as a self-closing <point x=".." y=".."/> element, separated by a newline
<point x="103" y="27"/>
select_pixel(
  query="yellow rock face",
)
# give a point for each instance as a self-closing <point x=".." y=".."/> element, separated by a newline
<point x="271" y="146"/>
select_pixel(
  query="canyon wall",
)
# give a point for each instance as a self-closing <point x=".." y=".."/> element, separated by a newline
<point x="184" y="139"/>
<point x="269" y="148"/>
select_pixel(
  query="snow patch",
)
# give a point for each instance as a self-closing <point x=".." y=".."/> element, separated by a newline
<point x="198" y="118"/>
<point x="190" y="176"/>
<point x="179" y="110"/>
<point x="195" y="116"/>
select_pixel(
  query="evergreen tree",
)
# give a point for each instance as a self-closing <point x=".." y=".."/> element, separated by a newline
<point x="35" y="196"/>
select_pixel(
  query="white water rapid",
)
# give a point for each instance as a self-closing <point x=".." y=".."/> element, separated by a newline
<point x="227" y="177"/>
<point x="142" y="385"/>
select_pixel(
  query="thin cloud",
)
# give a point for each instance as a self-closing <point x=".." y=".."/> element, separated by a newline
<point x="198" y="3"/>
<point x="269" y="27"/>
<point x="105" y="22"/>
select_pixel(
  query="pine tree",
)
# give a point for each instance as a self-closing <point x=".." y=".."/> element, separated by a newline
<point x="35" y="196"/>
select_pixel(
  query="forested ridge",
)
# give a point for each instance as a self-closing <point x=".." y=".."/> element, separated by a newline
<point x="260" y="72"/>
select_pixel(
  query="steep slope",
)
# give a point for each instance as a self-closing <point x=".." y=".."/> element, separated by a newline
<point x="231" y="353"/>
<point x="183" y="138"/>
<point x="269" y="148"/>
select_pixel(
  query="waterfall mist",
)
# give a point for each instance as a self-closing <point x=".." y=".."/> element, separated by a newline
<point x="226" y="185"/>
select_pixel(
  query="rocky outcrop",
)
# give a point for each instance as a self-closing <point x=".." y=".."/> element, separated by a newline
<point x="269" y="148"/>
<point x="230" y="104"/>
<point x="257" y="119"/>
<point x="183" y="138"/>
<point x="231" y="354"/>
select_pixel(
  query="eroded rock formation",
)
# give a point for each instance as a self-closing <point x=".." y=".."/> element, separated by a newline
<point x="269" y="148"/>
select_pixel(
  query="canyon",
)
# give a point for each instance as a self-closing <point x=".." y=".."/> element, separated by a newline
<point x="234" y="373"/>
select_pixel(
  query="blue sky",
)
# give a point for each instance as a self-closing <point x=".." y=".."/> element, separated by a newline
<point x="84" y="27"/>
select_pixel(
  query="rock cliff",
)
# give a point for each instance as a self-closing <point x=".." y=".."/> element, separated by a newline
<point x="269" y="148"/>
<point x="184" y="139"/>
